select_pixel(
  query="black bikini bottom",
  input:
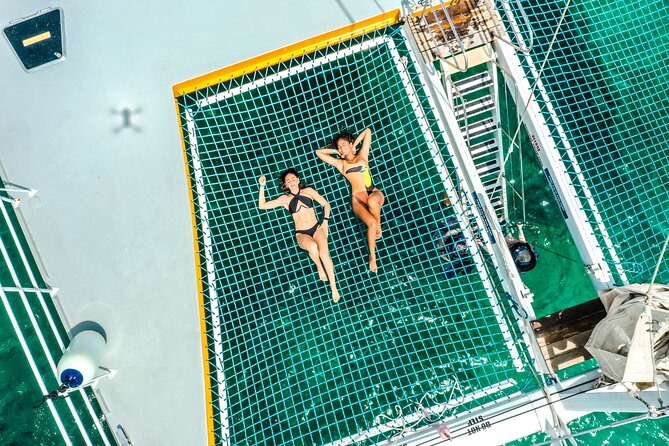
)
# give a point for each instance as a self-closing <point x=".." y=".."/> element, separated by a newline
<point x="310" y="232"/>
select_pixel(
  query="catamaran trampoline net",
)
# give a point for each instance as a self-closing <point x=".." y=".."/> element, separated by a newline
<point x="287" y="365"/>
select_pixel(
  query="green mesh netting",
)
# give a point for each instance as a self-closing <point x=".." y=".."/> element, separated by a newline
<point x="607" y="80"/>
<point x="288" y="365"/>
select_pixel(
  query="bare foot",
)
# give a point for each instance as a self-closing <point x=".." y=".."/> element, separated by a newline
<point x="322" y="275"/>
<point x="335" y="295"/>
<point x="372" y="265"/>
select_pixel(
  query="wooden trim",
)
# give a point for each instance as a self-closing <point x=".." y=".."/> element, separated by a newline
<point x="419" y="11"/>
<point x="585" y="310"/>
<point x="562" y="336"/>
<point x="567" y="352"/>
<point x="288" y="52"/>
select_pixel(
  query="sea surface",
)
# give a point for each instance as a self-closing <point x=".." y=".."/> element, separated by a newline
<point x="608" y="75"/>
<point x="559" y="280"/>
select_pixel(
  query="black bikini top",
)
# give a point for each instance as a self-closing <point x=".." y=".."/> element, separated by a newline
<point x="298" y="202"/>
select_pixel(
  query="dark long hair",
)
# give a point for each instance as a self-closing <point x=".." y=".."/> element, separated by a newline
<point x="282" y="180"/>
<point x="345" y="135"/>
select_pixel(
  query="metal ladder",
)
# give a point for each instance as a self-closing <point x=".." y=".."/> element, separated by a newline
<point x="458" y="35"/>
<point x="475" y="107"/>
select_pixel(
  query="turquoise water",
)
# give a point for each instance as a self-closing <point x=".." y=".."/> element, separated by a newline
<point x="607" y="76"/>
<point x="20" y="423"/>
<point x="558" y="282"/>
<point x="607" y="80"/>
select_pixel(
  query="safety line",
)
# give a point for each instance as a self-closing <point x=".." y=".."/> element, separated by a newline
<point x="38" y="331"/>
<point x="33" y="367"/>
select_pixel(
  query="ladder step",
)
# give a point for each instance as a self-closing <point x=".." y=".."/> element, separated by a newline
<point x="488" y="168"/>
<point x="489" y="186"/>
<point x="481" y="128"/>
<point x="483" y="148"/>
<point x="474" y="83"/>
<point x="473" y="108"/>
<point x="488" y="146"/>
<point x="496" y="203"/>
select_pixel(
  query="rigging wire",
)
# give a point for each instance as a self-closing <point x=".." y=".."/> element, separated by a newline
<point x="521" y="194"/>
<point x="543" y="248"/>
<point x="652" y="412"/>
<point x="534" y="408"/>
<point x="420" y="407"/>
<point x="534" y="87"/>
<point x="520" y="159"/>
<point x="515" y="415"/>
<point x="657" y="267"/>
<point x="512" y="145"/>
<point x="609" y="426"/>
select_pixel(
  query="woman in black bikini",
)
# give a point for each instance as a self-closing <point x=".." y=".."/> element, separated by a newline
<point x="311" y="236"/>
<point x="367" y="199"/>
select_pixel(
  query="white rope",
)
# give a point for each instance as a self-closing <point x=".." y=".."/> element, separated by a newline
<point x="609" y="426"/>
<point x="522" y="173"/>
<point x="657" y="267"/>
<point x="421" y="412"/>
<point x="534" y="87"/>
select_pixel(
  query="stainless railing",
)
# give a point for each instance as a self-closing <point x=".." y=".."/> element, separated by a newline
<point x="424" y="23"/>
<point x="505" y="5"/>
<point x="496" y="28"/>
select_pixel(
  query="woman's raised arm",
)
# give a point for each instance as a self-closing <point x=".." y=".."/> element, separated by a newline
<point x="262" y="204"/>
<point x="366" y="137"/>
<point x="326" y="155"/>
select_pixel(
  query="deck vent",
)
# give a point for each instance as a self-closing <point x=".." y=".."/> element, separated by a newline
<point x="38" y="40"/>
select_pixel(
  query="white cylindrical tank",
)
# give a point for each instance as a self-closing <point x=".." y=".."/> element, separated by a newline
<point x="81" y="359"/>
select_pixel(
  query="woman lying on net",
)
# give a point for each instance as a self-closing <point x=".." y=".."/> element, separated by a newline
<point x="367" y="199"/>
<point x="311" y="235"/>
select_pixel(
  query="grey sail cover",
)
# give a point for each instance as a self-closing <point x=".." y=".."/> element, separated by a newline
<point x="622" y="344"/>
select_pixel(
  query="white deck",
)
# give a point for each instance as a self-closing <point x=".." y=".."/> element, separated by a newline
<point x="114" y="229"/>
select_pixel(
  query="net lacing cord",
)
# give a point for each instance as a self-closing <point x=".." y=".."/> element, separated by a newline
<point x="424" y="413"/>
<point x="651" y="330"/>
<point x="657" y="268"/>
<point x="556" y="419"/>
<point x="421" y="410"/>
<point x="615" y="424"/>
<point x="532" y="90"/>
<point x="432" y="415"/>
<point x="654" y="413"/>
